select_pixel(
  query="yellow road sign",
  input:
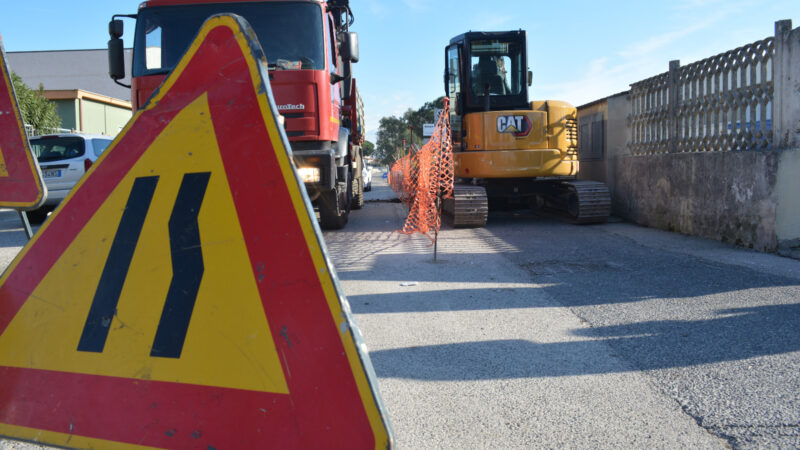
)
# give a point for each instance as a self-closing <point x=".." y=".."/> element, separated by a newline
<point x="21" y="183"/>
<point x="181" y="295"/>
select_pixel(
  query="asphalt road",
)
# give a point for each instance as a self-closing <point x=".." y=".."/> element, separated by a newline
<point x="530" y="333"/>
<point x="534" y="333"/>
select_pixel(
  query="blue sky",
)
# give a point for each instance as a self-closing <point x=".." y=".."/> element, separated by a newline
<point x="579" y="51"/>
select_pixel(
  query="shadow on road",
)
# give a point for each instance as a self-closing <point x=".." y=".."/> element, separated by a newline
<point x="450" y="300"/>
<point x="660" y="345"/>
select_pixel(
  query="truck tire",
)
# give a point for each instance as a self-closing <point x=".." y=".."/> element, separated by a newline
<point x="334" y="206"/>
<point x="358" y="193"/>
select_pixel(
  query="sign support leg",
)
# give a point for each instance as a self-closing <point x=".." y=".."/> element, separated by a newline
<point x="26" y="225"/>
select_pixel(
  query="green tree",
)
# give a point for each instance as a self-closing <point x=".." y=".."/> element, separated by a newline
<point x="390" y="138"/>
<point x="392" y="130"/>
<point x="425" y="114"/>
<point x="368" y="148"/>
<point x="36" y="111"/>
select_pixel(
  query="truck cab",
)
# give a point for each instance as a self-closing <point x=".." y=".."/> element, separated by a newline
<point x="309" y="52"/>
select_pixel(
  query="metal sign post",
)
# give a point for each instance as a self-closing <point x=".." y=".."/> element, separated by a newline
<point x="26" y="225"/>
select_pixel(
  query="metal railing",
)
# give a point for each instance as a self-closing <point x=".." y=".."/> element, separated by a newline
<point x="30" y="131"/>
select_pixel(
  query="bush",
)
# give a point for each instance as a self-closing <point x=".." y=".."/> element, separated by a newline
<point x="36" y="111"/>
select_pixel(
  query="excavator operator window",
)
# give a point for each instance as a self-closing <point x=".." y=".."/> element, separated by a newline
<point x="496" y="67"/>
<point x="454" y="91"/>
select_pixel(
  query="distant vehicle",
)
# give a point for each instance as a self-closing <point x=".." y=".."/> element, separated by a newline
<point x="367" y="173"/>
<point x="64" y="158"/>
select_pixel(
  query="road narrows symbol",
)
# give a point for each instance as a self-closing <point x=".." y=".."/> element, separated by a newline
<point x="104" y="305"/>
<point x="187" y="267"/>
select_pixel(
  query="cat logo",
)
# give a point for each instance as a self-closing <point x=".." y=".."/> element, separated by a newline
<point x="519" y="126"/>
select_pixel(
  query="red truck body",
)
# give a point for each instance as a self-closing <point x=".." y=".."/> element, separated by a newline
<point x="309" y="57"/>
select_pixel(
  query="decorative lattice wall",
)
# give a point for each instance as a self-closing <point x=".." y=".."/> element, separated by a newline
<point x="721" y="103"/>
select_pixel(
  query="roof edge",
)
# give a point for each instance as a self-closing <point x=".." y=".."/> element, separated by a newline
<point x="80" y="94"/>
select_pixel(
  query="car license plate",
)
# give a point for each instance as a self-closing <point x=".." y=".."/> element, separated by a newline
<point x="51" y="173"/>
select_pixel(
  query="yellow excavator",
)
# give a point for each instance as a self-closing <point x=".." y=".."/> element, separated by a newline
<point x="507" y="150"/>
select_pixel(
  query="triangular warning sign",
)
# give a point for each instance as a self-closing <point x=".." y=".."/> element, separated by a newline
<point x="21" y="183"/>
<point x="181" y="295"/>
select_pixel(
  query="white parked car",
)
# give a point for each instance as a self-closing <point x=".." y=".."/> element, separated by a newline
<point x="367" y="172"/>
<point x="64" y="158"/>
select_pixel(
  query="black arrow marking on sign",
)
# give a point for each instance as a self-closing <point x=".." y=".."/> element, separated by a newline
<point x="104" y="305"/>
<point x="187" y="267"/>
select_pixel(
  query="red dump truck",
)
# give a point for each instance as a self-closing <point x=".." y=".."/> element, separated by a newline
<point x="310" y="51"/>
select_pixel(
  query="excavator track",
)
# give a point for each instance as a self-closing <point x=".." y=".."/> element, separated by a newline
<point x="576" y="201"/>
<point x="469" y="206"/>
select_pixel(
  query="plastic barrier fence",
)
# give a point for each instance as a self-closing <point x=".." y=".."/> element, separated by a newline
<point x="424" y="177"/>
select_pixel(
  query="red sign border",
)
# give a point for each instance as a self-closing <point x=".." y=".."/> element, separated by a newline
<point x="329" y="420"/>
<point x="29" y="191"/>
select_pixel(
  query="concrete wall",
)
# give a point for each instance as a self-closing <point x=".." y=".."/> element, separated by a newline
<point x="615" y="139"/>
<point x="786" y="110"/>
<point x="91" y="116"/>
<point x="788" y="203"/>
<point x="116" y="119"/>
<point x="102" y="118"/>
<point x="592" y="169"/>
<point x="725" y="196"/>
<point x="750" y="198"/>
<point x="68" y="111"/>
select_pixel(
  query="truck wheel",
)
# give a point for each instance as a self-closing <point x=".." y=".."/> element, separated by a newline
<point x="334" y="206"/>
<point x="358" y="193"/>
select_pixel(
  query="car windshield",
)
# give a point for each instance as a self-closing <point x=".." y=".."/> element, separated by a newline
<point x="49" y="149"/>
<point x="290" y="33"/>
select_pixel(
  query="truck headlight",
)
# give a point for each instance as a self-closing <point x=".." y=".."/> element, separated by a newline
<point x="309" y="174"/>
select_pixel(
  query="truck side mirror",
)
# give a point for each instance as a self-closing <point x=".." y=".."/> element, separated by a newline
<point x="115" y="28"/>
<point x="349" y="48"/>
<point x="530" y="78"/>
<point x="347" y="87"/>
<point x="347" y="84"/>
<point x="116" y="51"/>
<point x="116" y="59"/>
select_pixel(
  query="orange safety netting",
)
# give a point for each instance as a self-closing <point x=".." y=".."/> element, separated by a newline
<point x="424" y="177"/>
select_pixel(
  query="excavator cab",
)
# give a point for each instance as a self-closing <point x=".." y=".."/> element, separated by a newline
<point x="487" y="71"/>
